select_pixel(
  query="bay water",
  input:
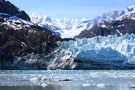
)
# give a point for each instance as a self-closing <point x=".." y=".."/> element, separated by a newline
<point x="67" y="79"/>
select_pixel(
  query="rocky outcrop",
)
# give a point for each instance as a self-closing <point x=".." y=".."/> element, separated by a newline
<point x="110" y="28"/>
<point x="19" y="37"/>
<point x="120" y="26"/>
<point x="17" y="34"/>
<point x="9" y="8"/>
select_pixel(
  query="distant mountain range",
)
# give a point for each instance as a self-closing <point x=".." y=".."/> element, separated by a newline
<point x="120" y="26"/>
<point x="69" y="28"/>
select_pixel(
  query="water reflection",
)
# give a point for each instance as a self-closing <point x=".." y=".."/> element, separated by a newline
<point x="57" y="87"/>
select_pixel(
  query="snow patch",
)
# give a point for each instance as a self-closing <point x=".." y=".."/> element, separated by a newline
<point x="15" y="22"/>
<point x="119" y="32"/>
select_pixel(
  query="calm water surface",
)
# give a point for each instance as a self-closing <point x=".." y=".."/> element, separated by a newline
<point x="78" y="80"/>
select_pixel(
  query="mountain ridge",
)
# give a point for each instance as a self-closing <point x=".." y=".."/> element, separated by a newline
<point x="72" y="27"/>
<point x="119" y="26"/>
<point x="7" y="7"/>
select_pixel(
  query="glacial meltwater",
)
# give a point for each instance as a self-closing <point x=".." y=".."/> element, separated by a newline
<point x="67" y="80"/>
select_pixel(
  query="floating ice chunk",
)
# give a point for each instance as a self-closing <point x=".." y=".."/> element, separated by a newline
<point x="39" y="79"/>
<point x="86" y="85"/>
<point x="43" y="85"/>
<point x="101" y="85"/>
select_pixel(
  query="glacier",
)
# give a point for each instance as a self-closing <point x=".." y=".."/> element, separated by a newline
<point x="100" y="52"/>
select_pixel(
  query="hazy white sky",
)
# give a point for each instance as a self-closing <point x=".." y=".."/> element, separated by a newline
<point x="71" y="8"/>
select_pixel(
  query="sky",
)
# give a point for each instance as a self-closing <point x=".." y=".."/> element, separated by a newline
<point x="78" y="9"/>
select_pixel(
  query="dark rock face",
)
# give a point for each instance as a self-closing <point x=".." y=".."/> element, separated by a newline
<point x="116" y="27"/>
<point x="23" y="41"/>
<point x="13" y="40"/>
<point x="9" y="8"/>
<point x="19" y="37"/>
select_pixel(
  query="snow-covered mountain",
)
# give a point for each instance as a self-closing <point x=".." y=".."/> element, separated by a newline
<point x="120" y="26"/>
<point x="69" y="28"/>
<point x="63" y="27"/>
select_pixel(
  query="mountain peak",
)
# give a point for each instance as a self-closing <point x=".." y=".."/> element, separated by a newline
<point x="131" y="7"/>
<point x="40" y="18"/>
<point x="9" y="8"/>
<point x="47" y="18"/>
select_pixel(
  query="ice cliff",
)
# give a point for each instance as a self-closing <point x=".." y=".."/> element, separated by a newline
<point x="100" y="52"/>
